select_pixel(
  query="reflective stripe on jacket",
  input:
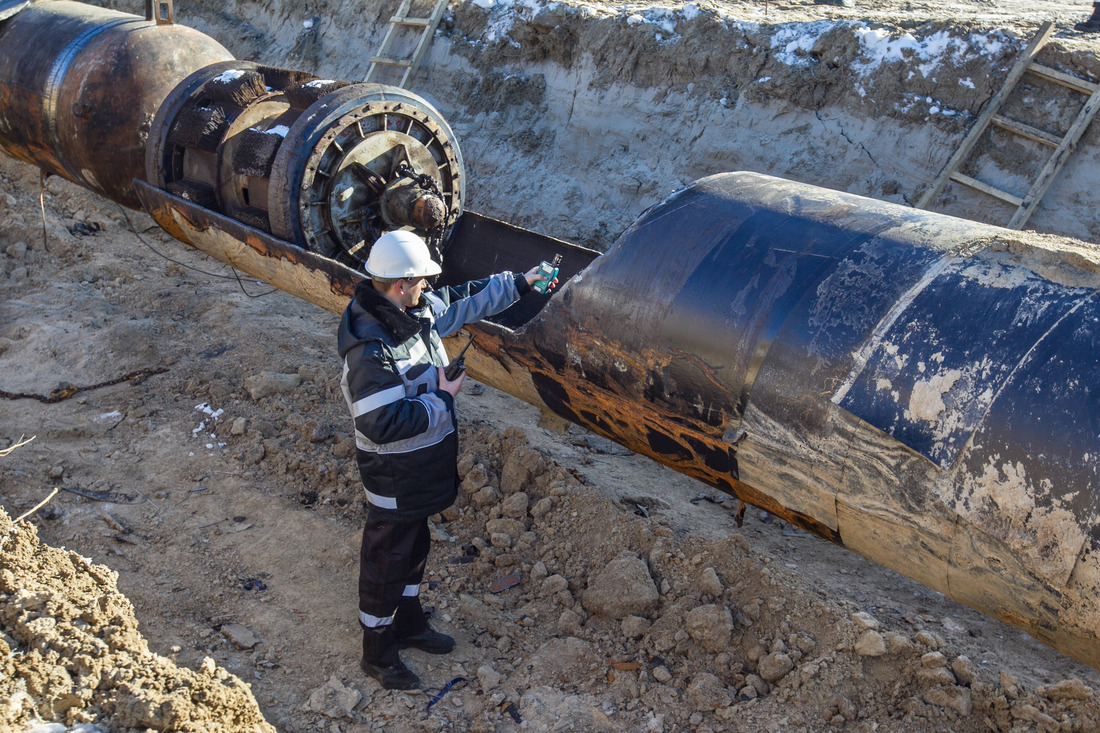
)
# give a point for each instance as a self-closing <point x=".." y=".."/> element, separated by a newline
<point x="405" y="437"/>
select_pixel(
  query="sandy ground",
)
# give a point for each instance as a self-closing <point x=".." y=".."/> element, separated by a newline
<point x="234" y="512"/>
<point x="245" y="519"/>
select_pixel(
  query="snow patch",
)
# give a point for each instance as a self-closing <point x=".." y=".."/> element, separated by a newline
<point x="794" y="41"/>
<point x="206" y="409"/>
<point x="230" y="75"/>
<point x="503" y="15"/>
<point x="932" y="106"/>
<point x="214" y="414"/>
<point x="878" y="46"/>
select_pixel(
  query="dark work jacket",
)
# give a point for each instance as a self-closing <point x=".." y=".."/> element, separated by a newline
<point x="405" y="437"/>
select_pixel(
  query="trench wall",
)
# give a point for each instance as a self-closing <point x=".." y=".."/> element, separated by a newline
<point x="574" y="118"/>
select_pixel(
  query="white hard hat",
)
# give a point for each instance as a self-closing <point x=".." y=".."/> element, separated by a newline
<point x="400" y="254"/>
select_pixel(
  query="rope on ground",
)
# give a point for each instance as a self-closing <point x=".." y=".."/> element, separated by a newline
<point x="459" y="681"/>
<point x="65" y="391"/>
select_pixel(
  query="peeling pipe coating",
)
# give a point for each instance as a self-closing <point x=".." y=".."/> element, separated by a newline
<point x="910" y="385"/>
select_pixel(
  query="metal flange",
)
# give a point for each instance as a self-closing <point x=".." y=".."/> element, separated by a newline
<point x="324" y="164"/>
<point x="366" y="159"/>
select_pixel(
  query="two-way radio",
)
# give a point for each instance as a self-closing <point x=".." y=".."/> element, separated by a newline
<point x="458" y="364"/>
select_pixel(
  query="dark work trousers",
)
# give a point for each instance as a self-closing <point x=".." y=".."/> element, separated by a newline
<point x="391" y="566"/>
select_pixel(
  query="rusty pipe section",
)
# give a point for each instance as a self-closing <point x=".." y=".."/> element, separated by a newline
<point x="104" y="98"/>
<point x="79" y="86"/>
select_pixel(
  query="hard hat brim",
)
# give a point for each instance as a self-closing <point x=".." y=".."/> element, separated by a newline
<point x="432" y="270"/>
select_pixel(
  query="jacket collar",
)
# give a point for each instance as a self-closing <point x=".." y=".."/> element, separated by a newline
<point x="401" y="325"/>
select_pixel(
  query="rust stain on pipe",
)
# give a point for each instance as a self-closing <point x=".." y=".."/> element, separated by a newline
<point x="301" y="273"/>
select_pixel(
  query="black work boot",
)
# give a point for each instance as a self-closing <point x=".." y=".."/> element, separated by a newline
<point x="429" y="640"/>
<point x="382" y="662"/>
<point x="393" y="677"/>
<point x="1092" y="25"/>
<point x="410" y="625"/>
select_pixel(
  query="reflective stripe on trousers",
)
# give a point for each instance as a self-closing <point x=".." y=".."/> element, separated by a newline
<point x="391" y="568"/>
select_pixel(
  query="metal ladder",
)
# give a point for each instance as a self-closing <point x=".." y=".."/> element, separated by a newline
<point x="402" y="19"/>
<point x="1063" y="147"/>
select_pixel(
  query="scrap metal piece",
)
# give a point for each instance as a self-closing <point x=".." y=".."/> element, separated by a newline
<point x="510" y="707"/>
<point x="111" y="497"/>
<point x="502" y="584"/>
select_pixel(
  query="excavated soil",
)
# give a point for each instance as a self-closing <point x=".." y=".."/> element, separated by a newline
<point x="197" y="569"/>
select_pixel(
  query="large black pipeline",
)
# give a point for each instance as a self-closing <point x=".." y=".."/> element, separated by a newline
<point x="916" y="387"/>
<point x="912" y="386"/>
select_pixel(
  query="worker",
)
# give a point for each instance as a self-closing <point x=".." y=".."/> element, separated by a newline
<point x="403" y="407"/>
<point x="1093" y="23"/>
